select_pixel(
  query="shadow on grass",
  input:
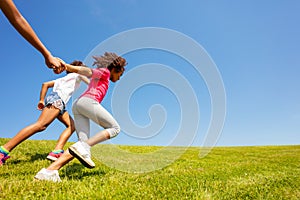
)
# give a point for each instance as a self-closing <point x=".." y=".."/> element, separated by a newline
<point x="37" y="156"/>
<point x="78" y="171"/>
<point x="33" y="157"/>
<point x="14" y="162"/>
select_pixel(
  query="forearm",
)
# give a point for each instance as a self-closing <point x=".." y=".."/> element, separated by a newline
<point x="27" y="32"/>
<point x="85" y="79"/>
<point x="22" y="26"/>
<point x="85" y="71"/>
<point x="43" y="92"/>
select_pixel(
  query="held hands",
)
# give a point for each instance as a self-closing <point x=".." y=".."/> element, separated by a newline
<point x="52" y="62"/>
<point x="61" y="68"/>
<point x="55" y="63"/>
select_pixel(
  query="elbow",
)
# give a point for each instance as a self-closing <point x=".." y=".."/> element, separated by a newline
<point x="45" y="86"/>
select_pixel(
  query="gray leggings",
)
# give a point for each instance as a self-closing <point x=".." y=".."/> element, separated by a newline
<point x="85" y="109"/>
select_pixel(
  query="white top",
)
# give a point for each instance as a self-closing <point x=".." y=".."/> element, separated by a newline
<point x="66" y="85"/>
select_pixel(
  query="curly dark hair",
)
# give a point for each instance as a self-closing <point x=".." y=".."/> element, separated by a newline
<point x="76" y="63"/>
<point x="110" y="60"/>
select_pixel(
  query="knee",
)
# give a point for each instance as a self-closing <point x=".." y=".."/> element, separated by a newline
<point x="72" y="126"/>
<point x="72" y="129"/>
<point x="40" y="127"/>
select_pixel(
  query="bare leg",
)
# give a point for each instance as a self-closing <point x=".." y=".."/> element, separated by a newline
<point x="67" y="120"/>
<point x="66" y="157"/>
<point x="99" y="137"/>
<point x="47" y="116"/>
<point x="61" y="161"/>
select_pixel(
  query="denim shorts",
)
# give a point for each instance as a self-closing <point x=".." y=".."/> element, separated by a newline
<point x="55" y="100"/>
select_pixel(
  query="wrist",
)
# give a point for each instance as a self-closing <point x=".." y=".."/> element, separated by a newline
<point x="67" y="67"/>
<point x="47" y="55"/>
<point x="71" y="68"/>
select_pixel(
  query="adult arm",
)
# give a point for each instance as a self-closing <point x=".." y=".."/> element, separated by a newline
<point x="23" y="27"/>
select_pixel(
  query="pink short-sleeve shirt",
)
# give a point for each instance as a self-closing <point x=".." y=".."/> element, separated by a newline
<point x="99" y="83"/>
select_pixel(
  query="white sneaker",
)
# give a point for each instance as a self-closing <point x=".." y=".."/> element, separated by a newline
<point x="48" y="175"/>
<point x="81" y="151"/>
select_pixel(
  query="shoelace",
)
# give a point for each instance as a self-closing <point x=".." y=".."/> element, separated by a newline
<point x="85" y="153"/>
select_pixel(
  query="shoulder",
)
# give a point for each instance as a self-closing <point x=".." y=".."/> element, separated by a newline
<point x="71" y="75"/>
<point x="75" y="75"/>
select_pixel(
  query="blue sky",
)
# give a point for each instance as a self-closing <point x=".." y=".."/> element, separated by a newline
<point x="254" y="44"/>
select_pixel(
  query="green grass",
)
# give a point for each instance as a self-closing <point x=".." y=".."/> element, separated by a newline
<point x="270" y="172"/>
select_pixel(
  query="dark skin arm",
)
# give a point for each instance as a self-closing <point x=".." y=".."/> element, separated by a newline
<point x="23" y="27"/>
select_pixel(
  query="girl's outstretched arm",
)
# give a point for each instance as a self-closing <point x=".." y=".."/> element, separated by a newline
<point x="85" y="71"/>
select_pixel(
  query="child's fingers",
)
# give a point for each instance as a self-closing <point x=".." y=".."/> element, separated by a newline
<point x="58" y="70"/>
<point x="40" y="106"/>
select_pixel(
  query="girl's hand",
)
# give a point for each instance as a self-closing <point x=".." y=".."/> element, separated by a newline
<point x="41" y="105"/>
<point x="58" y="70"/>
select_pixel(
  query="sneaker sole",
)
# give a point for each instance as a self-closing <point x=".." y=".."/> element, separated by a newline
<point x="77" y="155"/>
<point x="51" y="158"/>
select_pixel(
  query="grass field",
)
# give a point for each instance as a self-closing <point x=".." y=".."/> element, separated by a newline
<point x="270" y="172"/>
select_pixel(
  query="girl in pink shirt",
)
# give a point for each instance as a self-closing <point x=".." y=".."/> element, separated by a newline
<point x="110" y="67"/>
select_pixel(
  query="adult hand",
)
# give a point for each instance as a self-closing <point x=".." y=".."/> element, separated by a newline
<point x="52" y="62"/>
<point x="61" y="66"/>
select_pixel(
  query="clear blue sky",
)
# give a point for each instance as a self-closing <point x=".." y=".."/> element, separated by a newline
<point x="254" y="44"/>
